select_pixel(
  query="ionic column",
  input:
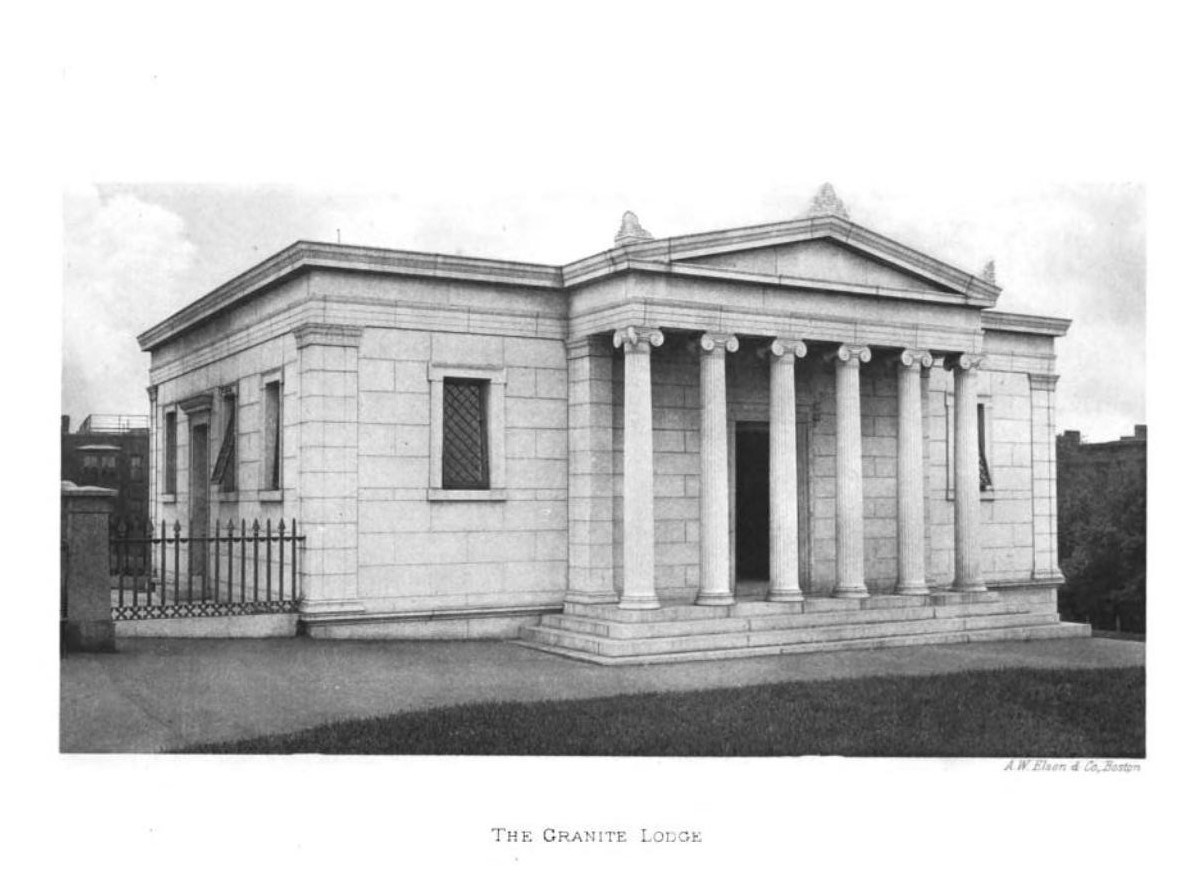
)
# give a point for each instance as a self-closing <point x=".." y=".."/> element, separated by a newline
<point x="910" y="474"/>
<point x="638" y="591"/>
<point x="967" y="571"/>
<point x="784" y="586"/>
<point x="849" y="473"/>
<point x="715" y="578"/>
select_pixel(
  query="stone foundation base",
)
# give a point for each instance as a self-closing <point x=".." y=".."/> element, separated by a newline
<point x="615" y="635"/>
<point x="89" y="637"/>
<point x="234" y="626"/>
<point x="475" y="625"/>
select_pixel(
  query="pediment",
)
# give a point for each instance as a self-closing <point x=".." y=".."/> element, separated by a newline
<point x="830" y="251"/>
<point x="819" y="259"/>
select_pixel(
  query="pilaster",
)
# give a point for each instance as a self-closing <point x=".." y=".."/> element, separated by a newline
<point x="590" y="470"/>
<point x="327" y="360"/>
<point x="155" y="465"/>
<point x="1045" y="563"/>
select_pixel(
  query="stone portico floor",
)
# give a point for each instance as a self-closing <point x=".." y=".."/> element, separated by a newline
<point x="157" y="694"/>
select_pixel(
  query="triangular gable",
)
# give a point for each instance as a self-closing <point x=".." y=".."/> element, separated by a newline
<point x="818" y="259"/>
<point x="826" y="249"/>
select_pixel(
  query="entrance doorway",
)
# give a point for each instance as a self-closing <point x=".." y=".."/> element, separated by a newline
<point x="199" y="496"/>
<point x="752" y="503"/>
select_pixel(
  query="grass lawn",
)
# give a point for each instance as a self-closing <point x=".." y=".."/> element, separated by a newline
<point x="1013" y="712"/>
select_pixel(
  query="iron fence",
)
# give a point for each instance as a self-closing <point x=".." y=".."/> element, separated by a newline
<point x="236" y="570"/>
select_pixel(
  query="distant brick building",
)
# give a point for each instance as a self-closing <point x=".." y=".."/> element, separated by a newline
<point x="110" y="451"/>
<point x="1073" y="455"/>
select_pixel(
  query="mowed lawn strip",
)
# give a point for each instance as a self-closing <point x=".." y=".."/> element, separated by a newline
<point x="1012" y="712"/>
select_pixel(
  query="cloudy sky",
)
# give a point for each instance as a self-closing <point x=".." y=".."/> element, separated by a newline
<point x="135" y="253"/>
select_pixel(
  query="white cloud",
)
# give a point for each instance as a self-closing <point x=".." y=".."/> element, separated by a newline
<point x="121" y="257"/>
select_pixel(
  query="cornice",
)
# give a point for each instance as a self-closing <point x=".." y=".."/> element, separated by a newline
<point x="1002" y="321"/>
<point x="313" y="255"/>
<point x="703" y="271"/>
<point x="673" y="256"/>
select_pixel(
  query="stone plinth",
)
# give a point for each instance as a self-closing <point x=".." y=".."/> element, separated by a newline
<point x="86" y="568"/>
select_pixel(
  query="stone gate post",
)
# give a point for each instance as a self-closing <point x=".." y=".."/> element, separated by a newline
<point x="87" y="572"/>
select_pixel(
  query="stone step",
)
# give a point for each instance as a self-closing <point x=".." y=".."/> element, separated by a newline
<point x="1019" y="632"/>
<point x="601" y="627"/>
<point x="729" y="640"/>
<point x="670" y="613"/>
<point x="689" y="611"/>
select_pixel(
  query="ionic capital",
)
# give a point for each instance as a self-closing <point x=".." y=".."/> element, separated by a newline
<point x="852" y="355"/>
<point x="710" y="342"/>
<point x="638" y="338"/>
<point x="964" y="362"/>
<point x="787" y="348"/>
<point x="917" y="357"/>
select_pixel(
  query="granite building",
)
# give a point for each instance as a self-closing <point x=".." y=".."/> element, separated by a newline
<point x="733" y="442"/>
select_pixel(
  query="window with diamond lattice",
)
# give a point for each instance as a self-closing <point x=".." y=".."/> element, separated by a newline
<point x="466" y="441"/>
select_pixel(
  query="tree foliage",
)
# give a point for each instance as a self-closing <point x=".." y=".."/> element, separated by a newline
<point x="1102" y="540"/>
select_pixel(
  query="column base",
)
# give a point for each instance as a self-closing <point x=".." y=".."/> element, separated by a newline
<point x="784" y="596"/>
<point x="636" y="602"/>
<point x="911" y="590"/>
<point x="850" y="592"/>
<point x="974" y="587"/>
<point x="717" y="599"/>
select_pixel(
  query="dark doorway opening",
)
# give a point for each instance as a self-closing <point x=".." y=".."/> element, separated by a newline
<point x="752" y="503"/>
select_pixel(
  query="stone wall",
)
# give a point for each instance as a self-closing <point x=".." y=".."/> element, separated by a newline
<point x="1005" y="511"/>
<point x="421" y="555"/>
<point x="246" y="372"/>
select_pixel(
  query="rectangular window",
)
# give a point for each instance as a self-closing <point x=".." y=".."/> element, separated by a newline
<point x="136" y="467"/>
<point x="170" y="452"/>
<point x="984" y="469"/>
<point x="272" y="447"/>
<point x="224" y="467"/>
<point x="466" y="436"/>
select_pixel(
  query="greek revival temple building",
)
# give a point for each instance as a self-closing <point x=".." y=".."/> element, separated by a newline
<point x="770" y="439"/>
